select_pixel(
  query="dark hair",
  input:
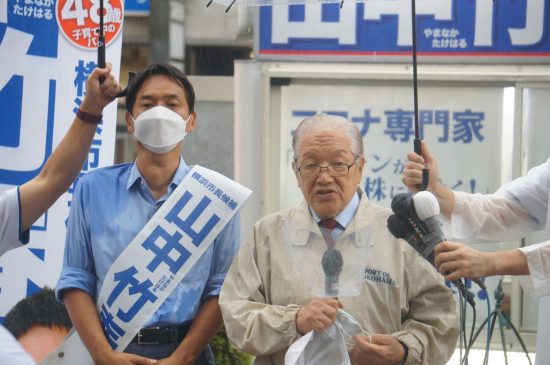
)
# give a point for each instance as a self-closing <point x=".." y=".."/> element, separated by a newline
<point x="38" y="310"/>
<point x="136" y="82"/>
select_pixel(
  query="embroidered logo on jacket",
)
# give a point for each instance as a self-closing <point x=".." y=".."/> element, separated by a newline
<point x="379" y="276"/>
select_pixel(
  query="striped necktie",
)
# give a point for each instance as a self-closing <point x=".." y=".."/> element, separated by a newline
<point x="327" y="225"/>
<point x="332" y="261"/>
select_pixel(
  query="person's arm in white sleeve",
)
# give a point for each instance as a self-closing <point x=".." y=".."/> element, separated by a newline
<point x="458" y="261"/>
<point x="490" y="217"/>
<point x="502" y="216"/>
<point x="538" y="261"/>
<point x="516" y="209"/>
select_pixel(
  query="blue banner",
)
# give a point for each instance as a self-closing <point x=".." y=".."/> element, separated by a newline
<point x="383" y="28"/>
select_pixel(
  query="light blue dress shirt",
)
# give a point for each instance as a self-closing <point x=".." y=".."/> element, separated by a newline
<point x="343" y="218"/>
<point x="110" y="206"/>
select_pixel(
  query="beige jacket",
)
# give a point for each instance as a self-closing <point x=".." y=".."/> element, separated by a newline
<point x="399" y="292"/>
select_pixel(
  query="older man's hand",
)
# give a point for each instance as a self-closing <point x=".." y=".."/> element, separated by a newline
<point x="317" y="315"/>
<point x="381" y="350"/>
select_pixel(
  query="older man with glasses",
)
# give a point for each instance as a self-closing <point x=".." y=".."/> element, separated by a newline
<point x="305" y="264"/>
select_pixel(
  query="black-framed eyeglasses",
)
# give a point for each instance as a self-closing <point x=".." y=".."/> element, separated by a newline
<point x="338" y="169"/>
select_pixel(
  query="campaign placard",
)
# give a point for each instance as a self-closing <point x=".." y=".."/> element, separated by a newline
<point x="45" y="57"/>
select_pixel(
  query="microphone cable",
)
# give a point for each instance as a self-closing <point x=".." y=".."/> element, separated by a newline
<point x="465" y="297"/>
<point x="474" y="336"/>
<point x="468" y="343"/>
<point x="461" y="314"/>
<point x="488" y="337"/>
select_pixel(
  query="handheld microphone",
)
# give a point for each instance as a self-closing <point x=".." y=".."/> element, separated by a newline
<point x="422" y="211"/>
<point x="333" y="264"/>
<point x="403" y="206"/>
<point x="400" y="228"/>
<point x="427" y="210"/>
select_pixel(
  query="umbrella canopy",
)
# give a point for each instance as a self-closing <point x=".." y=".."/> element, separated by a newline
<point x="229" y="3"/>
<point x="275" y="2"/>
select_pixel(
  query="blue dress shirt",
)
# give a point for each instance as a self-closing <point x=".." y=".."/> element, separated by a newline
<point x="110" y="206"/>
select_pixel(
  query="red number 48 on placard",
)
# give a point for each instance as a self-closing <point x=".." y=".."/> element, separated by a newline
<point x="78" y="20"/>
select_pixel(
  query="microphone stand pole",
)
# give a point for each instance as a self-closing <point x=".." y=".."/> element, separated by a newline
<point x="498" y="315"/>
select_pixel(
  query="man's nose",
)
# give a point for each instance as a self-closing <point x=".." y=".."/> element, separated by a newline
<point x="324" y="175"/>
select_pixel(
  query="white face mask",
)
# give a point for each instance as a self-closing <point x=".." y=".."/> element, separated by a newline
<point x="159" y="129"/>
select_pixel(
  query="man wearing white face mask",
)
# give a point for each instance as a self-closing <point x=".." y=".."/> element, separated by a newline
<point x="159" y="129"/>
<point x="112" y="205"/>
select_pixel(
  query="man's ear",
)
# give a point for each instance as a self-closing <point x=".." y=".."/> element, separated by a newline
<point x="191" y="123"/>
<point x="360" y="166"/>
<point x="362" y="163"/>
<point x="129" y="123"/>
<point x="296" y="174"/>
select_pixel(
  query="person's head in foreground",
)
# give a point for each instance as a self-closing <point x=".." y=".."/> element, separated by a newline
<point x="39" y="322"/>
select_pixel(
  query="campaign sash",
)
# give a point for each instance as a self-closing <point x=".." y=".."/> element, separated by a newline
<point x="158" y="258"/>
